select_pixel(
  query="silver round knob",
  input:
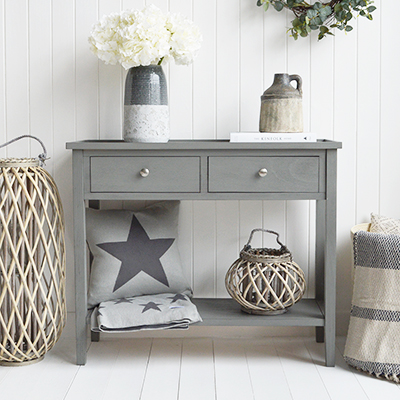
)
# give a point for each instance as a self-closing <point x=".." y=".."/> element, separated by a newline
<point x="144" y="172"/>
<point x="263" y="172"/>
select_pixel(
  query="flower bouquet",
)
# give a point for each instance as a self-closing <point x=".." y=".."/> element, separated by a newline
<point x="143" y="41"/>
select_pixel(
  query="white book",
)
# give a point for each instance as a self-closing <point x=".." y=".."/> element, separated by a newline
<point x="266" y="137"/>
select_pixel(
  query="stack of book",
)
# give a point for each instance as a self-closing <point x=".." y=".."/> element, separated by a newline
<point x="266" y="137"/>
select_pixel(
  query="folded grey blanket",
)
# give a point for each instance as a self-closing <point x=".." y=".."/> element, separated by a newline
<point x="161" y="311"/>
<point x="373" y="340"/>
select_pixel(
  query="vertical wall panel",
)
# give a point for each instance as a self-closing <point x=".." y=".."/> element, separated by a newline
<point x="227" y="241"/>
<point x="185" y="240"/>
<point x="40" y="77"/>
<point x="389" y="109"/>
<point x="16" y="75"/>
<point x="204" y="250"/>
<point x="87" y="77"/>
<point x="368" y="115"/>
<point x="180" y="86"/>
<point x="204" y="84"/>
<point x="227" y="70"/>
<point x="3" y="102"/>
<point x="321" y="80"/>
<point x="110" y="86"/>
<point x="251" y="65"/>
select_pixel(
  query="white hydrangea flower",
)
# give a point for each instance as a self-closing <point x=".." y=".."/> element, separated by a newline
<point x="185" y="39"/>
<point x="145" y="37"/>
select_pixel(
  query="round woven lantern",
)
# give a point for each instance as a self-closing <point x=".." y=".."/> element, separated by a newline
<point x="265" y="281"/>
<point x="32" y="261"/>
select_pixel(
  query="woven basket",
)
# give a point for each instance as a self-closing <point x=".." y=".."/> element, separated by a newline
<point x="265" y="281"/>
<point x="32" y="262"/>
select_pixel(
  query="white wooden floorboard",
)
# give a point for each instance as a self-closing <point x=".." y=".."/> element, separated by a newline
<point x="340" y="381"/>
<point x="92" y="379"/>
<point x="193" y="369"/>
<point x="266" y="371"/>
<point x="129" y="370"/>
<point x="302" y="376"/>
<point x="48" y="379"/>
<point x="197" y="380"/>
<point x="232" y="377"/>
<point x="163" y="370"/>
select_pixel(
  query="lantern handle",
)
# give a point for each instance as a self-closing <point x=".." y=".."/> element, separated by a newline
<point x="42" y="157"/>
<point x="247" y="246"/>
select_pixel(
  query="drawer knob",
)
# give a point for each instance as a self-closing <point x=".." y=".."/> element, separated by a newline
<point x="144" y="172"/>
<point x="263" y="172"/>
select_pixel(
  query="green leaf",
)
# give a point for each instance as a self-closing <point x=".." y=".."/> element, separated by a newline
<point x="311" y="13"/>
<point x="371" y="9"/>
<point x="296" y="22"/>
<point x="323" y="29"/>
<point x="348" y="28"/>
<point x="318" y="20"/>
<point x="278" y="5"/>
<point x="340" y="15"/>
<point x="338" y="8"/>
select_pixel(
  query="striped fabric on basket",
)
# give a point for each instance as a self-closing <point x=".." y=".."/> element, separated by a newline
<point x="373" y="340"/>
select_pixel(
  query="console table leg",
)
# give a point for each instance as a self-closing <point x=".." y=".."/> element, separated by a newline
<point x="94" y="336"/>
<point x="80" y="259"/>
<point x="319" y="334"/>
<point x="330" y="260"/>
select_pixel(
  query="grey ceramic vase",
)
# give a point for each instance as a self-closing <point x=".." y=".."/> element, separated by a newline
<point x="281" y="106"/>
<point x="146" y="114"/>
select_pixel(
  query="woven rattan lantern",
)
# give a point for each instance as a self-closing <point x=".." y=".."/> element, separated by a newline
<point x="32" y="261"/>
<point x="265" y="281"/>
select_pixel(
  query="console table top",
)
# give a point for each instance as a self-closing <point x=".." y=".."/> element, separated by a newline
<point x="194" y="144"/>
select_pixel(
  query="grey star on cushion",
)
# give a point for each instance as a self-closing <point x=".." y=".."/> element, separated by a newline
<point x="138" y="253"/>
<point x="177" y="297"/>
<point x="150" y="306"/>
<point x="123" y="300"/>
<point x="98" y="310"/>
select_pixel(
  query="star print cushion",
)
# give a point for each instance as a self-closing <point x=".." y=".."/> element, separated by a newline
<point x="160" y="311"/>
<point x="134" y="253"/>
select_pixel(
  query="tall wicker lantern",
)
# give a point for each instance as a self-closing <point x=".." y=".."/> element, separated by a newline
<point x="32" y="261"/>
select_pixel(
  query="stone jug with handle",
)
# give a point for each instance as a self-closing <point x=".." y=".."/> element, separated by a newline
<point x="281" y="106"/>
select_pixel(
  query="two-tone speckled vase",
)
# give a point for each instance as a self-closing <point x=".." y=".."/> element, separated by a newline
<point x="281" y="106"/>
<point x="146" y="114"/>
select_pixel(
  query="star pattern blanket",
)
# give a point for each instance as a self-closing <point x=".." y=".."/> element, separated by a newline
<point x="160" y="311"/>
<point x="373" y="340"/>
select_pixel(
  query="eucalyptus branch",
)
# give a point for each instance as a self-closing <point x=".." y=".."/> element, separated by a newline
<point x="322" y="17"/>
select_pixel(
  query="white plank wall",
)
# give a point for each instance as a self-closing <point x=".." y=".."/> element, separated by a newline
<point x="51" y="86"/>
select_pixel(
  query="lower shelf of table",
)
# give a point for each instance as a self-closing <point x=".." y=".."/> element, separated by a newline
<point x="227" y="312"/>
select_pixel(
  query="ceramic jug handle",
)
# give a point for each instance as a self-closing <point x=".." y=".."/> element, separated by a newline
<point x="299" y="81"/>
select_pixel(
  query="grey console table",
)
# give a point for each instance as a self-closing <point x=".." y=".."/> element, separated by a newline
<point x="215" y="170"/>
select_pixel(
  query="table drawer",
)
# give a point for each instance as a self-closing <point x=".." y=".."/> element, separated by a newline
<point x="281" y="174"/>
<point x="144" y="174"/>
